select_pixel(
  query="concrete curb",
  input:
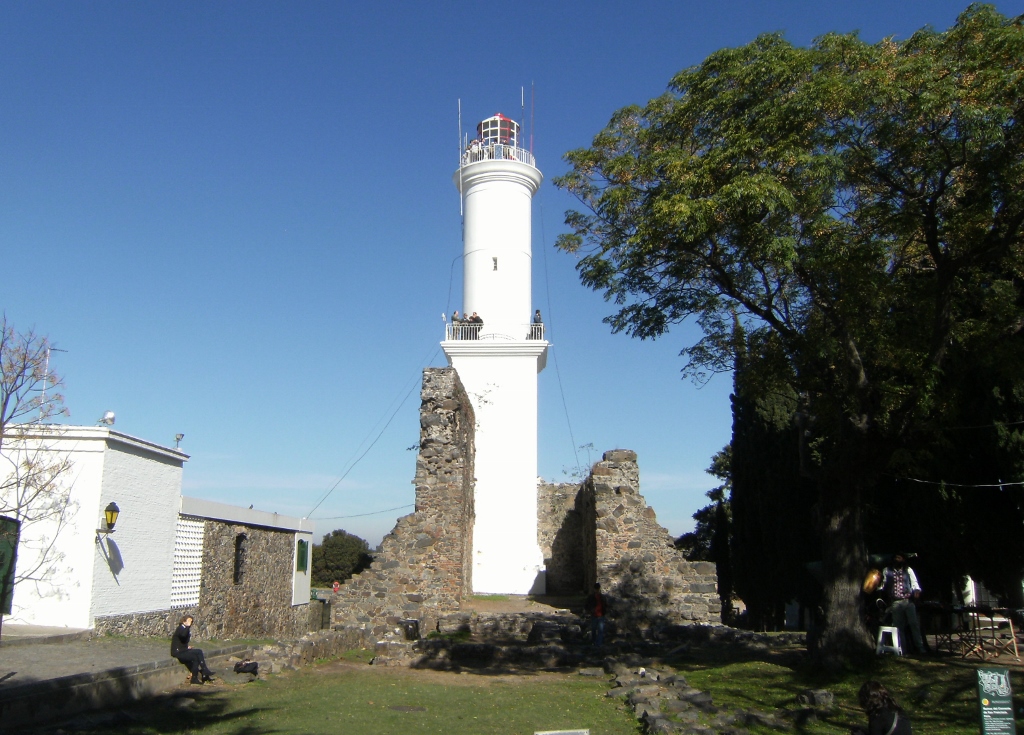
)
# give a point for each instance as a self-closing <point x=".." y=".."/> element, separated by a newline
<point x="40" y="701"/>
<point x="49" y="640"/>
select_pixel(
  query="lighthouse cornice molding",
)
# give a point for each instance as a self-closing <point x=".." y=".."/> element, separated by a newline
<point x="505" y="171"/>
<point x="484" y="348"/>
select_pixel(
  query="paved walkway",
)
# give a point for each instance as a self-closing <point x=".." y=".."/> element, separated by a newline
<point x="57" y="652"/>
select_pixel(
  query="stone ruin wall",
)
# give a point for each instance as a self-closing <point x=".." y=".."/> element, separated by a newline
<point x="607" y="533"/>
<point x="424" y="566"/>
<point x="559" y="534"/>
<point x="600" y="530"/>
<point x="260" y="604"/>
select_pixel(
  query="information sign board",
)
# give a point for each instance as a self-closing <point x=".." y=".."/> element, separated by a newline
<point x="9" y="530"/>
<point x="996" y="701"/>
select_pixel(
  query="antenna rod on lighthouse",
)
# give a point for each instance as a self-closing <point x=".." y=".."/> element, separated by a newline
<point x="461" y="213"/>
<point x="533" y="105"/>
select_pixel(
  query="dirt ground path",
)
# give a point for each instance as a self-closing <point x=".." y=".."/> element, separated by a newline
<point x="521" y="603"/>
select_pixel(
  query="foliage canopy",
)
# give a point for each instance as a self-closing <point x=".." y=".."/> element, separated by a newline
<point x="856" y="210"/>
<point x="339" y="556"/>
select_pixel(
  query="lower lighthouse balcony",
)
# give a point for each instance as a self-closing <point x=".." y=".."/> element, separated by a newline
<point x="504" y="332"/>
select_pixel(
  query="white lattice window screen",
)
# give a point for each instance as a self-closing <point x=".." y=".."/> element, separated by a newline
<point x="188" y="562"/>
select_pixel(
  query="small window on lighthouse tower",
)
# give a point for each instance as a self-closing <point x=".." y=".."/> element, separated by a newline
<point x="495" y="263"/>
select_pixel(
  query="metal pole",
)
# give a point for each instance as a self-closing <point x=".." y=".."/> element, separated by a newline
<point x="46" y="375"/>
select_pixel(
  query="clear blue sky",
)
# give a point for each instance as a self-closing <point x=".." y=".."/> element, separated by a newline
<point x="238" y="219"/>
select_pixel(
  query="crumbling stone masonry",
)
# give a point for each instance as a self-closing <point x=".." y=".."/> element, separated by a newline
<point x="424" y="566"/>
<point x="257" y="602"/>
<point x="610" y="535"/>
<point x="601" y="530"/>
<point x="560" y="536"/>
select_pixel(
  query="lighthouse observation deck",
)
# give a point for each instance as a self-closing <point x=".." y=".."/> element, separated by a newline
<point x="469" y="330"/>
<point x="477" y="151"/>
<point x="497" y="140"/>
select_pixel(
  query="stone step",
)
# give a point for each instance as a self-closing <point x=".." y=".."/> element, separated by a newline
<point x="394" y="653"/>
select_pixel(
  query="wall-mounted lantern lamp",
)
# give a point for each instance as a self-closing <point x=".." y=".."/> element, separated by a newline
<point x="110" y="517"/>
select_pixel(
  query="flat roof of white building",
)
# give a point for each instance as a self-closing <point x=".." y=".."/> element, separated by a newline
<point x="69" y="433"/>
<point x="233" y="514"/>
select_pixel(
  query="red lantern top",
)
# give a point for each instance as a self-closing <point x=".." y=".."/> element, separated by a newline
<point x="498" y="129"/>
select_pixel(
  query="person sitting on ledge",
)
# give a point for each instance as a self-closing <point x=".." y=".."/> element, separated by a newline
<point x="193" y="658"/>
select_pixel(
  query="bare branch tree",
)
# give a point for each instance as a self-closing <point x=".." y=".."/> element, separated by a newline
<point x="34" y="476"/>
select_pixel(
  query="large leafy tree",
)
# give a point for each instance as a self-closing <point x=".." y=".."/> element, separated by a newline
<point x="857" y="207"/>
<point x="339" y="556"/>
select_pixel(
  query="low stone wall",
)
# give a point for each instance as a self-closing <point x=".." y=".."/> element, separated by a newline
<point x="423" y="567"/>
<point x="150" y="624"/>
<point x="664" y="703"/>
<point x="522" y="627"/>
<point x="285" y="655"/>
<point x="23" y="707"/>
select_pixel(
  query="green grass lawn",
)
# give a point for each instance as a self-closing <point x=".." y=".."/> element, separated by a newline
<point x="347" y="696"/>
<point x="343" y="697"/>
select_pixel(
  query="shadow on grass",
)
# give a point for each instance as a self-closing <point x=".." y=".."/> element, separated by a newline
<point x="939" y="694"/>
<point x="182" y="711"/>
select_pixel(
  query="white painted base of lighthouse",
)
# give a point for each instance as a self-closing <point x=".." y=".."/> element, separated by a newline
<point x="501" y="380"/>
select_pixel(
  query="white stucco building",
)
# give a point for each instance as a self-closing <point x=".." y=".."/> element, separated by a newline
<point x="90" y="574"/>
<point x="498" y="361"/>
<point x="158" y="556"/>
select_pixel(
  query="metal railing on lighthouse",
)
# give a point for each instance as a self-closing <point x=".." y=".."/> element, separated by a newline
<point x="477" y="151"/>
<point x="468" y="330"/>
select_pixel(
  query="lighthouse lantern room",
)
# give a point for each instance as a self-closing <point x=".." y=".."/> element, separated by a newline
<point x="499" y="354"/>
<point x="498" y="129"/>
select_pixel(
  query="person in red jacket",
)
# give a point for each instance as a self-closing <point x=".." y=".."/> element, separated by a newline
<point x="597" y="607"/>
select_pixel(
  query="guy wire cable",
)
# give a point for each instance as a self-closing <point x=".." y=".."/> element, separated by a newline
<point x="374" y="513"/>
<point x="375" y="440"/>
<point x="554" y="353"/>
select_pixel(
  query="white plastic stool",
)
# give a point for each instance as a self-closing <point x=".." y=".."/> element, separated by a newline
<point x="893" y="645"/>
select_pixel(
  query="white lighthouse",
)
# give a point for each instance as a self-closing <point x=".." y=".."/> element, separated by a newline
<point x="498" y="360"/>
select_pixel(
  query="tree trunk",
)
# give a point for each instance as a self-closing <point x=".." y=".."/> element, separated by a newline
<point x="843" y="639"/>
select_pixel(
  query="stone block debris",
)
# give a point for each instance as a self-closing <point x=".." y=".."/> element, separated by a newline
<point x="665" y="703"/>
